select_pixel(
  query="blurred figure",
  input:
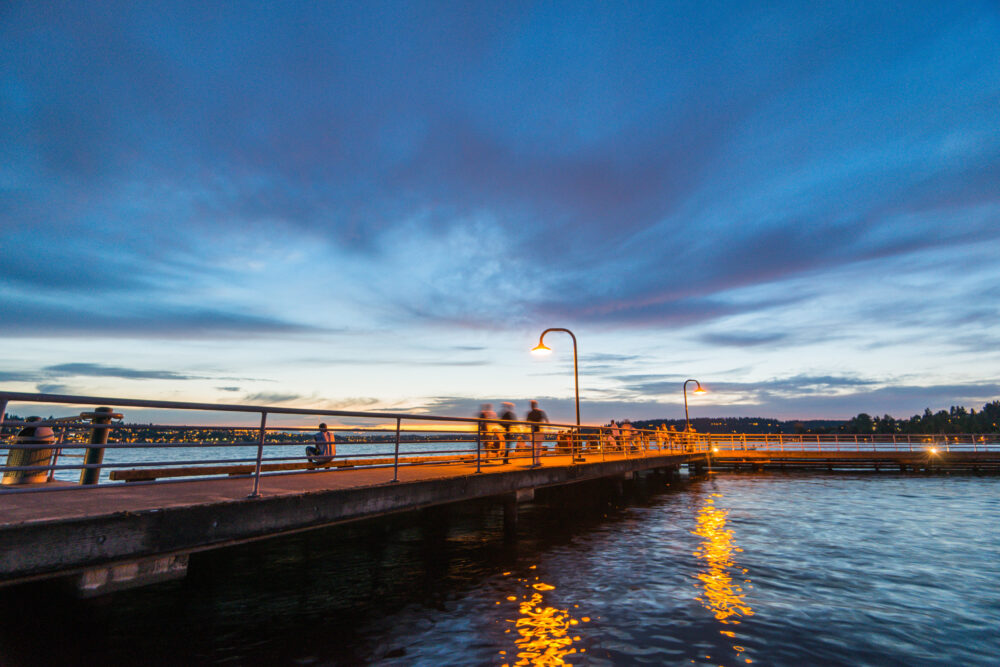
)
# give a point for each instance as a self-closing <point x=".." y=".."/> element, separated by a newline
<point x="508" y="415"/>
<point x="628" y="436"/>
<point x="537" y="417"/>
<point x="485" y="412"/>
<point x="325" y="448"/>
<point x="488" y="432"/>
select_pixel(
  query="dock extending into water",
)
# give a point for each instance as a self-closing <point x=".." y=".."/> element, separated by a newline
<point x="135" y="517"/>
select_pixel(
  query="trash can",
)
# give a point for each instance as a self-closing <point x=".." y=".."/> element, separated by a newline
<point x="30" y="435"/>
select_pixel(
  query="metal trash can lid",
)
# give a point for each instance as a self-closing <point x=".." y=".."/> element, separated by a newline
<point x="41" y="435"/>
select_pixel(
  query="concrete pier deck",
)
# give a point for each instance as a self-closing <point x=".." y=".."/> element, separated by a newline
<point x="129" y="530"/>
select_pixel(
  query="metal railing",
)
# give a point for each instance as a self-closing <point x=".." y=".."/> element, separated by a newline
<point x="99" y="447"/>
<point x="850" y="442"/>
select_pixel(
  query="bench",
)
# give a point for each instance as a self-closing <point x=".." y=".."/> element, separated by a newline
<point x="151" y="474"/>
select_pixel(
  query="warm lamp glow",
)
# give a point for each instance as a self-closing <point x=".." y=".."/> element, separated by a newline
<point x="932" y="450"/>
<point x="699" y="390"/>
<point x="541" y="349"/>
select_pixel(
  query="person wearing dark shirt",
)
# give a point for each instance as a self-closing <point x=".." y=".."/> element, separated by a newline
<point x="537" y="417"/>
<point x="508" y="415"/>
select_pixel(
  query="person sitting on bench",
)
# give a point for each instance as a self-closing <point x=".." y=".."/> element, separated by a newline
<point x="325" y="448"/>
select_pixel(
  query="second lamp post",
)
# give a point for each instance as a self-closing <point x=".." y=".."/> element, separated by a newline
<point x="699" y="390"/>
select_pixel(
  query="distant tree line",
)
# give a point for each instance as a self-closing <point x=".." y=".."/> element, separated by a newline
<point x="955" y="420"/>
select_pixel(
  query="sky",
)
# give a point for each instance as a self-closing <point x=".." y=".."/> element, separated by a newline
<point x="381" y="205"/>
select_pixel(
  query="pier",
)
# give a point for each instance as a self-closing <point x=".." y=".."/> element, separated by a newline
<point x="128" y="511"/>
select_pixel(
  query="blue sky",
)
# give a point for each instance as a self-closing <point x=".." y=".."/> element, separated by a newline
<point x="381" y="205"/>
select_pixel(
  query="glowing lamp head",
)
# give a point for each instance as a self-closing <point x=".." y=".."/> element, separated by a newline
<point x="541" y="349"/>
<point x="699" y="390"/>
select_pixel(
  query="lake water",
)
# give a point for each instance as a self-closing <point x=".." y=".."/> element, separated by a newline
<point x="730" y="569"/>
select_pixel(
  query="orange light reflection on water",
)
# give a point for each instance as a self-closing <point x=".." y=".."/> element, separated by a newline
<point x="720" y="595"/>
<point x="545" y="634"/>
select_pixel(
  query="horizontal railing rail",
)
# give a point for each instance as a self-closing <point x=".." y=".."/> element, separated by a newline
<point x="848" y="442"/>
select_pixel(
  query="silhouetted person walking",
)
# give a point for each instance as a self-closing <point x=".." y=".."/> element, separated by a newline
<point x="536" y="416"/>
<point x="508" y="415"/>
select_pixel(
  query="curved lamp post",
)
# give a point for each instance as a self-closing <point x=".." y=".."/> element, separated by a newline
<point x="699" y="390"/>
<point x="543" y="349"/>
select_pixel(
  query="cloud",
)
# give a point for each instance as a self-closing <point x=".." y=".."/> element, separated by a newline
<point x="359" y="403"/>
<point x="17" y="376"/>
<point x="48" y="319"/>
<point x="743" y="340"/>
<point x="394" y="361"/>
<point x="49" y="388"/>
<point x="100" y="370"/>
<point x="736" y="179"/>
<point x="271" y="398"/>
<point x="613" y="358"/>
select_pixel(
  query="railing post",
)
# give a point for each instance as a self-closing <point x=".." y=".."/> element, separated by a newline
<point x="3" y="414"/>
<point x="94" y="456"/>
<point x="56" y="452"/>
<point x="479" y="447"/>
<point x="260" y="455"/>
<point x="395" y="460"/>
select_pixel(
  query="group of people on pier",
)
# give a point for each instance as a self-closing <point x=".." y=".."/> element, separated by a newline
<point x="503" y="434"/>
<point x="622" y="435"/>
<point x="499" y="434"/>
